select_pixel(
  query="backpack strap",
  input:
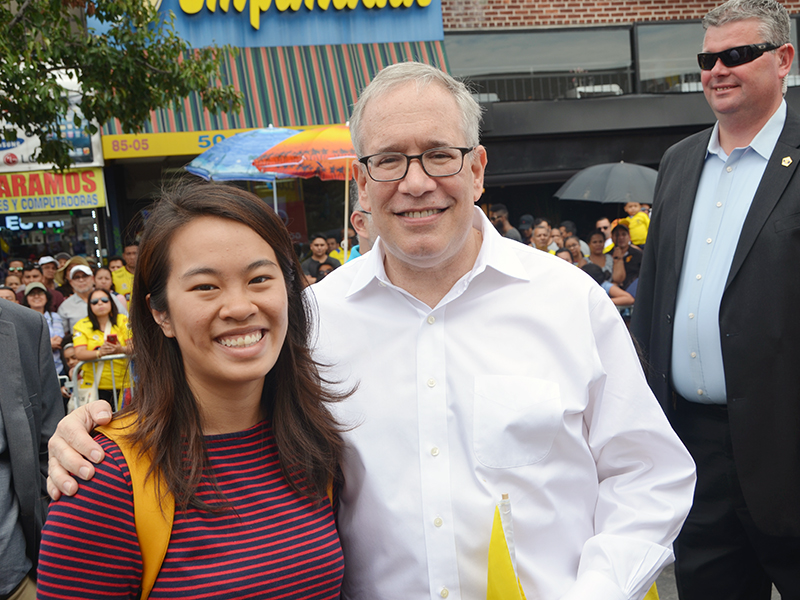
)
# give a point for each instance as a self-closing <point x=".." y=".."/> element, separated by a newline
<point x="153" y="525"/>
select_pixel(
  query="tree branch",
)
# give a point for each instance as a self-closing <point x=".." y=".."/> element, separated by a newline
<point x="18" y="17"/>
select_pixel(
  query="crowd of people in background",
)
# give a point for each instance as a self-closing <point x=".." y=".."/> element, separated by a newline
<point x="325" y="252"/>
<point x="85" y="309"/>
<point x="611" y="253"/>
<point x="614" y="247"/>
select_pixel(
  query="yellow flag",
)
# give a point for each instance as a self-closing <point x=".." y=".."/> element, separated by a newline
<point x="652" y="594"/>
<point x="503" y="583"/>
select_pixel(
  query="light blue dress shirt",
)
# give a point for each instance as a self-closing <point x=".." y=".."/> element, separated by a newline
<point x="724" y="195"/>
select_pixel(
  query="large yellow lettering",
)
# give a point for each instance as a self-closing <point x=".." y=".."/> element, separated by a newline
<point x="256" y="8"/>
<point x="283" y="5"/>
<point x="191" y="7"/>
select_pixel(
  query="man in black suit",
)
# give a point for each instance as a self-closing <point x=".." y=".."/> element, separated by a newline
<point x="30" y="408"/>
<point x="716" y="311"/>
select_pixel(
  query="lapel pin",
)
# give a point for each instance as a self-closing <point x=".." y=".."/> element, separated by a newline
<point x="787" y="160"/>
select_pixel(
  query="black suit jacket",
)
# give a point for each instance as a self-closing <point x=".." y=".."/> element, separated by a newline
<point x="759" y="319"/>
<point x="31" y="403"/>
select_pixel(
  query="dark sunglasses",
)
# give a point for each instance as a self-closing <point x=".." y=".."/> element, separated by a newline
<point x="12" y="269"/>
<point x="104" y="300"/>
<point x="733" y="57"/>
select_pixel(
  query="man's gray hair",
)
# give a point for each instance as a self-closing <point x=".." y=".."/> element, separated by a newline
<point x="423" y="75"/>
<point x="774" y="23"/>
<point x="775" y="26"/>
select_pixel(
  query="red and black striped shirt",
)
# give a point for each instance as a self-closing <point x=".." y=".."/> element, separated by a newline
<point x="273" y="543"/>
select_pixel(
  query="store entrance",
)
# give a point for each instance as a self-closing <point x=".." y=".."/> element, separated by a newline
<point x="32" y="235"/>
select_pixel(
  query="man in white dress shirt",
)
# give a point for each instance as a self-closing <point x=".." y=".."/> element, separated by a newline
<point x="449" y="415"/>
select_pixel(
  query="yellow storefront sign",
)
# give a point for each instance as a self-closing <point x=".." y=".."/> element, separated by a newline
<point x="40" y="191"/>
<point x="142" y="145"/>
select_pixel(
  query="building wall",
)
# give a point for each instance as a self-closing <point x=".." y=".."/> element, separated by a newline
<point x="490" y="14"/>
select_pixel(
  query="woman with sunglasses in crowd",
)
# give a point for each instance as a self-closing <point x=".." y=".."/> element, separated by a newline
<point x="231" y="410"/>
<point x="102" y="333"/>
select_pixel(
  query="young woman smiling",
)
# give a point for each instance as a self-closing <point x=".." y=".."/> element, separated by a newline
<point x="231" y="410"/>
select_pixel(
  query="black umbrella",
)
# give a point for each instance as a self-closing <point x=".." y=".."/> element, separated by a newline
<point x="611" y="183"/>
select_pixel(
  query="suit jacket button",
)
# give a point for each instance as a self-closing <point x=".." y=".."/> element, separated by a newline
<point x="669" y="318"/>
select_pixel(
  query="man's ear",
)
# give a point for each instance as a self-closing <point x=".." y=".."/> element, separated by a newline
<point x="478" y="166"/>
<point x="162" y="318"/>
<point x="360" y="175"/>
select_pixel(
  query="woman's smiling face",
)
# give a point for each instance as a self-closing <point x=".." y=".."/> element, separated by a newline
<point x="227" y="304"/>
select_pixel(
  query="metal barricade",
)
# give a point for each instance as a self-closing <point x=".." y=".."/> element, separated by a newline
<point x="79" y="367"/>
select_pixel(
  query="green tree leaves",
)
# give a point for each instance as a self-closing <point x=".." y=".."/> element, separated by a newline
<point x="136" y="64"/>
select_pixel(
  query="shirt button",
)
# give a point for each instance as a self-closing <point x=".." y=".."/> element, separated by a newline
<point x="699" y="276"/>
<point x="693" y="355"/>
<point x="434" y="451"/>
<point x="708" y="241"/>
<point x="444" y="593"/>
<point x="719" y="204"/>
<point x="431" y="382"/>
<point x="699" y="392"/>
<point x="431" y="320"/>
<point x="691" y="315"/>
<point x="729" y="169"/>
<point x="438" y="522"/>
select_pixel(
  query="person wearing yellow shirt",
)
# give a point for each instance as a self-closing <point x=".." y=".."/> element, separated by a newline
<point x="123" y="278"/>
<point x="102" y="333"/>
<point x="638" y="223"/>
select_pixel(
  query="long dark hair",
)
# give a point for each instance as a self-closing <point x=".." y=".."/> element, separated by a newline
<point x="112" y="316"/>
<point x="294" y="398"/>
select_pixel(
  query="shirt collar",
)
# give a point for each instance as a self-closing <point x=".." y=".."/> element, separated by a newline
<point x="765" y="140"/>
<point x="496" y="253"/>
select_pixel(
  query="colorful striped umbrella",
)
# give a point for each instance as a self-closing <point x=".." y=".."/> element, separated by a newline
<point x="325" y="152"/>
<point x="232" y="158"/>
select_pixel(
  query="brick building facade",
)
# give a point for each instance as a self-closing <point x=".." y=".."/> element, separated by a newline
<point x="490" y="14"/>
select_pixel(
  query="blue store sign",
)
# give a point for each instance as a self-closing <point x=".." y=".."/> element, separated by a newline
<point x="269" y="23"/>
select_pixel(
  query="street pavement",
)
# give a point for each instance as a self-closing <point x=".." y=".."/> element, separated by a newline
<point x="666" y="585"/>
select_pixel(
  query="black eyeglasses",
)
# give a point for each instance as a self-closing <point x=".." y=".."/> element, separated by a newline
<point x="436" y="162"/>
<point x="104" y="300"/>
<point x="733" y="57"/>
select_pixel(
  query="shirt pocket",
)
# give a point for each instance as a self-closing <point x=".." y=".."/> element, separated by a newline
<point x="515" y="420"/>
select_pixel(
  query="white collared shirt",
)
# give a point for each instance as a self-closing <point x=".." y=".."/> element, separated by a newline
<point x="523" y="380"/>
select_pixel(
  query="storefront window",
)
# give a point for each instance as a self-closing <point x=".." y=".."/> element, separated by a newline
<point x="668" y="57"/>
<point x="33" y="235"/>
<point x="543" y="64"/>
<point x="43" y="213"/>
